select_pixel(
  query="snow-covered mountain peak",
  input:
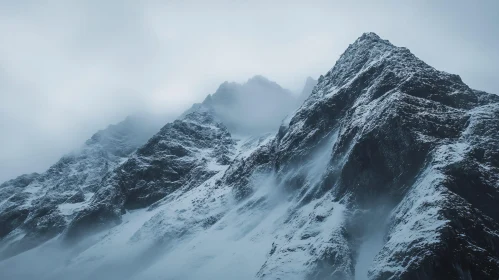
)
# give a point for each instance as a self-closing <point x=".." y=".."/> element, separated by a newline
<point x="370" y="51"/>
<point x="393" y="134"/>
<point x="372" y="38"/>
<point x="387" y="171"/>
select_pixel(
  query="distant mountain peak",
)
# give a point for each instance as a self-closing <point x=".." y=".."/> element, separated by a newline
<point x="259" y="78"/>
<point x="307" y="89"/>
<point x="371" y="36"/>
<point x="310" y="82"/>
<point x="256" y="105"/>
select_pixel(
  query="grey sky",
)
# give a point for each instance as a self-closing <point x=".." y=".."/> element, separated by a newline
<point x="69" y="68"/>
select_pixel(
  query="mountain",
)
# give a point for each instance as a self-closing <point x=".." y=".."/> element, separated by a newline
<point x="255" y="107"/>
<point x="112" y="172"/>
<point x="411" y="170"/>
<point x="310" y="83"/>
<point x="388" y="170"/>
<point x="36" y="207"/>
<point x="189" y="151"/>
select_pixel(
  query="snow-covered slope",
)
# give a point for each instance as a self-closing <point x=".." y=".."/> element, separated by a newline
<point x="389" y="170"/>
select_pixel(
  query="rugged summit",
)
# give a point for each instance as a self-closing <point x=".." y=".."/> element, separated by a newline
<point x="388" y="170"/>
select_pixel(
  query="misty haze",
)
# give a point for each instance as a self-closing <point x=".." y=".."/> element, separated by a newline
<point x="249" y="140"/>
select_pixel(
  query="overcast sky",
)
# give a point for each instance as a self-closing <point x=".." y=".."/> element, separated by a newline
<point x="69" y="68"/>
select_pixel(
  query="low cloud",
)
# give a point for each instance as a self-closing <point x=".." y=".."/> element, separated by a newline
<point x="69" y="69"/>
